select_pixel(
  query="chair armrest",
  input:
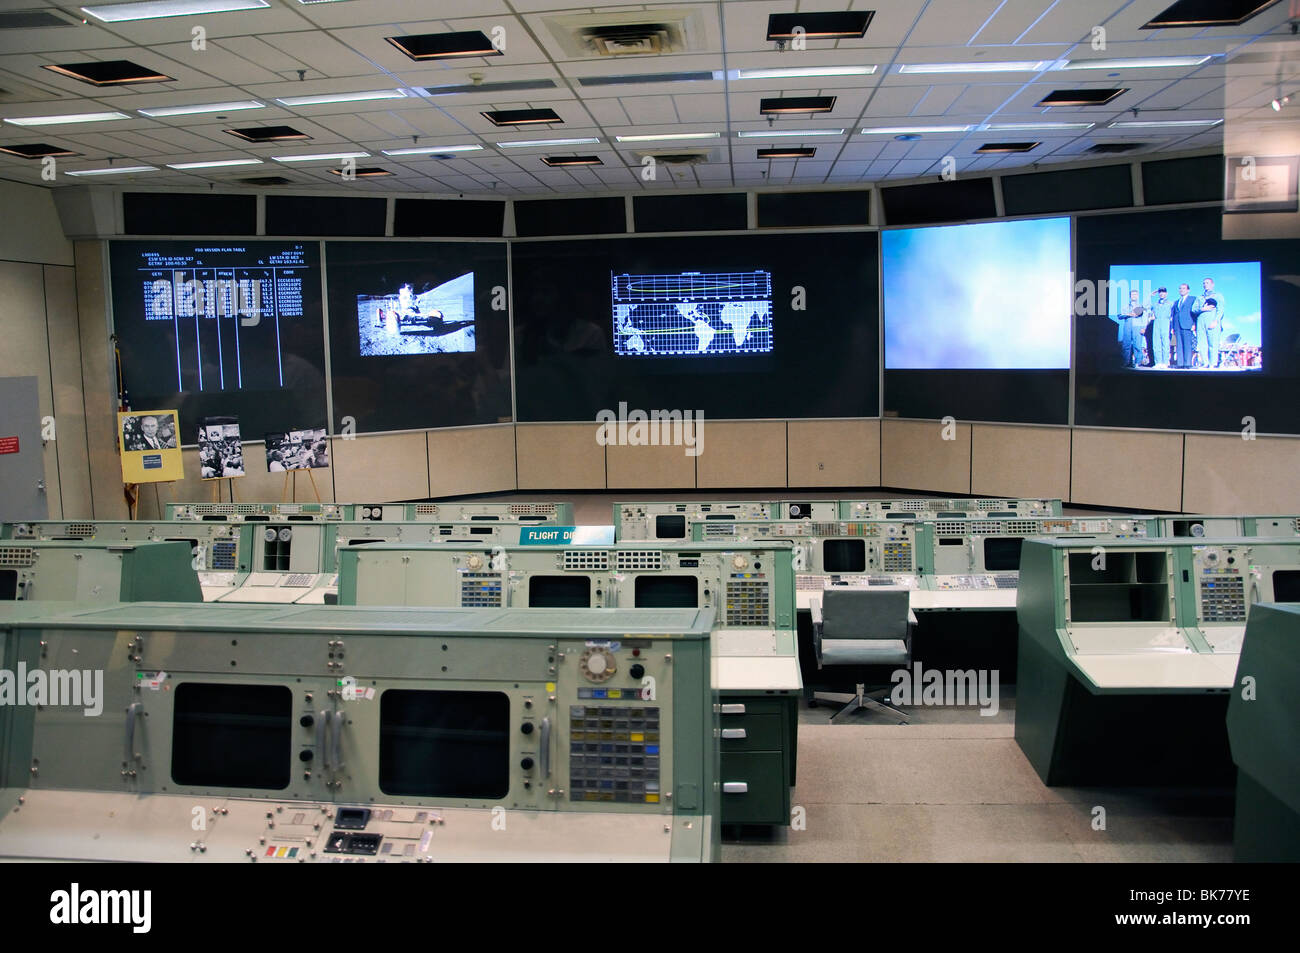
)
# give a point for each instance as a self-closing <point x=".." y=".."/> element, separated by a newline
<point x="817" y="638"/>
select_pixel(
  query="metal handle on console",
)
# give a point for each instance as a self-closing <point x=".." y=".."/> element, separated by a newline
<point x="129" y="754"/>
<point x="735" y="787"/>
<point x="733" y="733"/>
<point x="338" y="740"/>
<point x="737" y="708"/>
<point x="546" y="747"/>
<point x="322" y="743"/>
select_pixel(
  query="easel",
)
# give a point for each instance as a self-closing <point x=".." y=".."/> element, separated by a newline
<point x="294" y="474"/>
<point x="216" y="488"/>
<point x="132" y="493"/>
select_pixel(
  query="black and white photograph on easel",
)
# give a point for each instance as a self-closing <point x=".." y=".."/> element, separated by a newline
<point x="221" y="454"/>
<point x="297" y="450"/>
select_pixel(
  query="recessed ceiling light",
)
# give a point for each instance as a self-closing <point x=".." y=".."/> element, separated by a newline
<point x="1162" y="123"/>
<point x="1148" y="62"/>
<point x="109" y="73"/>
<point x="429" y="150"/>
<point x="784" y="105"/>
<point x="437" y="46"/>
<point x="1012" y="126"/>
<point x="668" y="137"/>
<point x="529" y="143"/>
<point x="572" y="160"/>
<point x="159" y="112"/>
<point x="370" y="172"/>
<point x="323" y="157"/>
<point x="114" y="170"/>
<point x="1023" y="66"/>
<point x="521" y="117"/>
<point x="70" y="118"/>
<point x="342" y="97"/>
<point x="218" y="164"/>
<point x="37" y="150"/>
<point x="788" y="152"/>
<point x="267" y="133"/>
<point x="795" y="72"/>
<point x="641" y="79"/>
<point x="907" y="130"/>
<point x="1081" y="97"/>
<point x="819" y="26"/>
<point x="787" y="133"/>
<point x="1201" y="13"/>
<point x="155" y="9"/>
<point x="1000" y="147"/>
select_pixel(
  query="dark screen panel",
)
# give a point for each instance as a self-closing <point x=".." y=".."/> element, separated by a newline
<point x="955" y="201"/>
<point x="434" y="218"/>
<point x="1171" y="181"/>
<point x="690" y="213"/>
<point x="232" y="736"/>
<point x="8" y="585"/>
<point x="1002" y="553"/>
<point x="222" y="328"/>
<point x="822" y="359"/>
<point x="325" y="216"/>
<point x="391" y="371"/>
<point x="1286" y="585"/>
<point x="559" y="592"/>
<point x="594" y="216"/>
<point x="1109" y="395"/>
<point x="444" y="744"/>
<point x="1106" y="186"/>
<point x="178" y="213"/>
<point x="667" y="592"/>
<point x="798" y="209"/>
<point x="1013" y="396"/>
<point x="844" y="555"/>
<point x="670" y="527"/>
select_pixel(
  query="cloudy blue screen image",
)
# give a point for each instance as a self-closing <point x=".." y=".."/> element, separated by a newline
<point x="994" y="296"/>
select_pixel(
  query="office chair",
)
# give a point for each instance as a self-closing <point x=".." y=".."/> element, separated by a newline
<point x="863" y="627"/>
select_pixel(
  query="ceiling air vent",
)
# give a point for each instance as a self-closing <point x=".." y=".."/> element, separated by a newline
<point x="632" y="33"/>
<point x="34" y="19"/>
<point x="677" y="156"/>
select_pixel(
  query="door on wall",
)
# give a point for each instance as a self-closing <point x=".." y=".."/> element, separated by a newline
<point x="22" y="458"/>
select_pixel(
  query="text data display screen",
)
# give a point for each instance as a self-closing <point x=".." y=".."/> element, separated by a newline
<point x="692" y="313"/>
<point x="222" y="329"/>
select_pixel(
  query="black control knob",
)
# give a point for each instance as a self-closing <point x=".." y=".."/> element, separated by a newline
<point x="526" y="727"/>
<point x="526" y="764"/>
<point x="306" y="721"/>
<point x="305" y="755"/>
<point x="636" y="670"/>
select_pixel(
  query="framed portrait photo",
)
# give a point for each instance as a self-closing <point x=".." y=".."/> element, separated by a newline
<point x="1261" y="184"/>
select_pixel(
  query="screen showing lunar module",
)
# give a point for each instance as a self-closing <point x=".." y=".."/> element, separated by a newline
<point x="692" y="313"/>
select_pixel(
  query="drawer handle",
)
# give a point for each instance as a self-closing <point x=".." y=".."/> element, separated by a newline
<point x="735" y="787"/>
<point x="733" y="732"/>
<point x="733" y="709"/>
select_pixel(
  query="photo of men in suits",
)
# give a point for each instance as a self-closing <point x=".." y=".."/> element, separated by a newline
<point x="151" y="432"/>
<point x="1185" y="325"/>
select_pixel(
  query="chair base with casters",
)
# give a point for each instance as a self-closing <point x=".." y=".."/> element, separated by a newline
<point x="862" y="627"/>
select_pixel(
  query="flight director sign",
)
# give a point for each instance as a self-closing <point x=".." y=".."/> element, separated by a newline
<point x="566" y="535"/>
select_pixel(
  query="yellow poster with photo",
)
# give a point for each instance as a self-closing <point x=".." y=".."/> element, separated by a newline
<point x="151" y="447"/>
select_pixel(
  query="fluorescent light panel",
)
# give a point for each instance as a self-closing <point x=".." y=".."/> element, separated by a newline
<point x="218" y="164"/>
<point x="1012" y="126"/>
<point x="526" y="143"/>
<point x="1162" y="123"/>
<point x="787" y="133"/>
<point x="1149" y="62"/>
<point x="429" y="150"/>
<point x="342" y="97"/>
<point x="669" y="137"/>
<point x="796" y="72"/>
<point x="156" y="9"/>
<point x="323" y="157"/>
<point x="1025" y="66"/>
<point x="160" y="112"/>
<point x="117" y="170"/>
<point x="910" y="130"/>
<point x="71" y="117"/>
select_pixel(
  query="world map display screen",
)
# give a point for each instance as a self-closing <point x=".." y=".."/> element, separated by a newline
<point x="692" y="313"/>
